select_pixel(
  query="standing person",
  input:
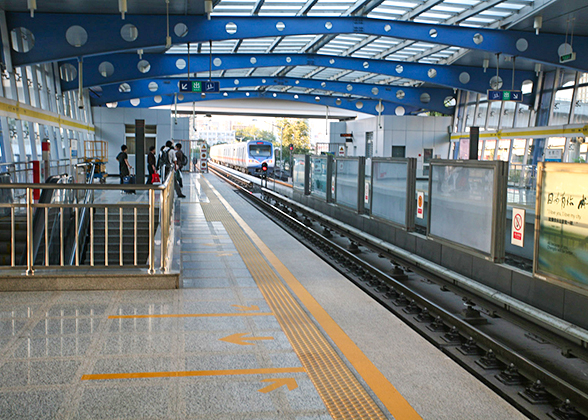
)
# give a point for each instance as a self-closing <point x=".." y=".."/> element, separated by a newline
<point x="124" y="166"/>
<point x="178" y="158"/>
<point x="168" y="158"/>
<point x="181" y="161"/>
<point x="151" y="164"/>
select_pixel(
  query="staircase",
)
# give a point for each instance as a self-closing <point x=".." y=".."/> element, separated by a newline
<point x="20" y="239"/>
<point x="114" y="237"/>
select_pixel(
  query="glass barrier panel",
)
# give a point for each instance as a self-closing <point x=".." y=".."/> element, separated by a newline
<point x="318" y="176"/>
<point x="460" y="205"/>
<point x="298" y="172"/>
<point x="346" y="181"/>
<point x="389" y="191"/>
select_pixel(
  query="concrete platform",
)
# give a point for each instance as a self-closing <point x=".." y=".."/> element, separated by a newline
<point x="256" y="317"/>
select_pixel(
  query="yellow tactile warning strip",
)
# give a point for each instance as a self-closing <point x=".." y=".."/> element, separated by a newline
<point x="343" y="395"/>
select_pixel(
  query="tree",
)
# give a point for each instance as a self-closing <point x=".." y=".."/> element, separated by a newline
<point x="294" y="131"/>
<point x="253" y="133"/>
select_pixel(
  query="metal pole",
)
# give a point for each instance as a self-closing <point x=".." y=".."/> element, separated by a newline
<point x="29" y="198"/>
<point x="151" y="231"/>
<point x="163" y="211"/>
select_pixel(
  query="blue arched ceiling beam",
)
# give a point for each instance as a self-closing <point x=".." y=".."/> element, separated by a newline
<point x="367" y="106"/>
<point x="103" y="34"/>
<point x="125" y="68"/>
<point x="427" y="98"/>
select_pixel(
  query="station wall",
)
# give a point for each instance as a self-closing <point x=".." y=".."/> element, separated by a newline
<point x="110" y="126"/>
<point x="414" y="133"/>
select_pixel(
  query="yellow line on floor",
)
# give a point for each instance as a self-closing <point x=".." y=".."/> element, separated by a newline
<point x="379" y="384"/>
<point x="190" y="315"/>
<point x="179" y="374"/>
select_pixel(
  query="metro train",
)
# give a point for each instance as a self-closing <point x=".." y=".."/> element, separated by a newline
<point x="246" y="157"/>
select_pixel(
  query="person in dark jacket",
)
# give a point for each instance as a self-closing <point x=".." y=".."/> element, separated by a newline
<point x="123" y="163"/>
<point x="179" y="183"/>
<point x="151" y="164"/>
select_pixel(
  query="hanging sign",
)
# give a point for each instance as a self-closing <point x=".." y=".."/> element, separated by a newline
<point x="197" y="86"/>
<point x="420" y="205"/>
<point x="553" y="155"/>
<point x="505" y="95"/>
<point x="518" y="227"/>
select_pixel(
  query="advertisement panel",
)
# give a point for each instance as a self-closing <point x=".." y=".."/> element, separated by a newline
<point x="561" y="229"/>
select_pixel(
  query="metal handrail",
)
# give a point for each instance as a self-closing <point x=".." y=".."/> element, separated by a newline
<point x="82" y="225"/>
<point x="165" y="195"/>
<point x="100" y="187"/>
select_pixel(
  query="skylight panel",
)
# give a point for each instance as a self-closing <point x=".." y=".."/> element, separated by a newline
<point x="405" y="4"/>
<point x="325" y="13"/>
<point x="433" y="15"/>
<point x="330" y="7"/>
<point x="494" y="12"/>
<point x="479" y="19"/>
<point x="279" y="7"/>
<point x="221" y="7"/>
<point x="513" y="6"/>
<point x="449" y="9"/>
<point x="230" y="13"/>
<point x="421" y="20"/>
<point x="382" y="16"/>
<point x="464" y="2"/>
<point x="389" y="11"/>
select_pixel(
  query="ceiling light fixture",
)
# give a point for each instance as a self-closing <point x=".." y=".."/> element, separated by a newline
<point x="537" y="24"/>
<point x="168" y="41"/>
<point x="208" y="8"/>
<point x="32" y="5"/>
<point x="122" y="8"/>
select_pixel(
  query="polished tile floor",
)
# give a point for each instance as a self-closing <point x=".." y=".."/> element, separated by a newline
<point x="136" y="355"/>
<point x="49" y="341"/>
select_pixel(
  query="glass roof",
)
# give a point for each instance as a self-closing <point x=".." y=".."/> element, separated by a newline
<point x="471" y="13"/>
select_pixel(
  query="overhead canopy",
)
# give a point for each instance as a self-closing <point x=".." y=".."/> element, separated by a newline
<point x="388" y="56"/>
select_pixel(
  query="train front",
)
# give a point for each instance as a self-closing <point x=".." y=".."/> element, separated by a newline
<point x="258" y="152"/>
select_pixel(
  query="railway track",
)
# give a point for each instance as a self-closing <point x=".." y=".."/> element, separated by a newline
<point x="537" y="371"/>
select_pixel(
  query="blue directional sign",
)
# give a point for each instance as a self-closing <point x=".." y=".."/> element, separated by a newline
<point x="211" y="87"/>
<point x="505" y="95"/>
<point x="198" y="86"/>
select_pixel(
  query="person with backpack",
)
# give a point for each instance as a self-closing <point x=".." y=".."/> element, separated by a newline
<point x="123" y="163"/>
<point x="165" y="164"/>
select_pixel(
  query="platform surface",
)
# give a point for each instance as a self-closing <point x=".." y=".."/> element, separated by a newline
<point x="261" y="329"/>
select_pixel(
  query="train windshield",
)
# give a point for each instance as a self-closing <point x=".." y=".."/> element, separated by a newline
<point x="264" y="150"/>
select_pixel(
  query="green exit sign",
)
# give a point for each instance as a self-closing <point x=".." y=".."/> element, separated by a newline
<point x="567" y="57"/>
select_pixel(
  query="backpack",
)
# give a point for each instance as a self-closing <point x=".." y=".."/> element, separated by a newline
<point x="163" y="159"/>
<point x="184" y="160"/>
<point x="119" y="157"/>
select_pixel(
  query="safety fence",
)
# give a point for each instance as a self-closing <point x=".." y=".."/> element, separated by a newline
<point x="462" y="204"/>
<point x="74" y="225"/>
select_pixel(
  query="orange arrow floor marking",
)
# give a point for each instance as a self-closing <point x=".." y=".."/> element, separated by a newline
<point x="240" y="339"/>
<point x="190" y="315"/>
<point x="246" y="308"/>
<point x="277" y="383"/>
<point x="182" y="374"/>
